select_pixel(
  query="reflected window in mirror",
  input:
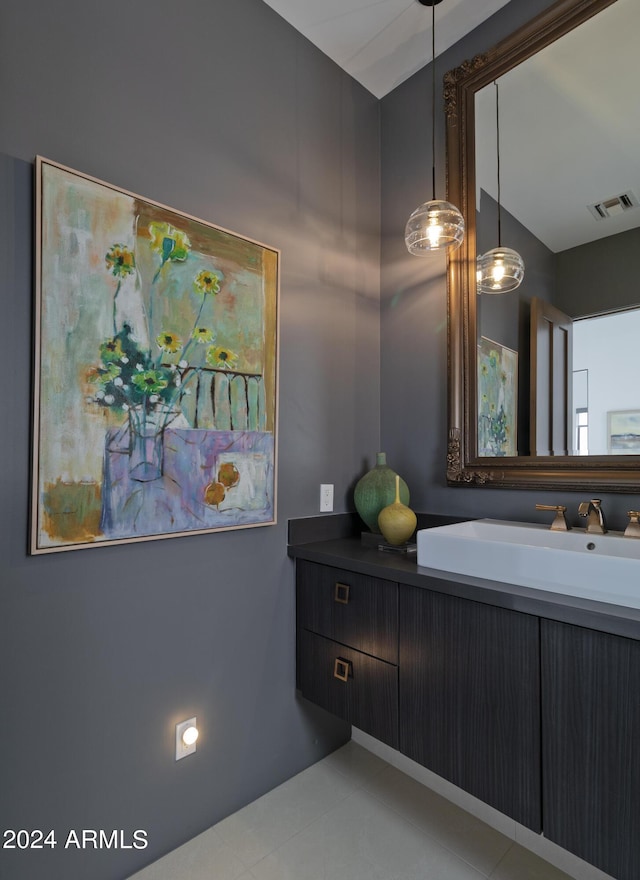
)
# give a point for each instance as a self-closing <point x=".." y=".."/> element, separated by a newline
<point x="604" y="348"/>
<point x="582" y="431"/>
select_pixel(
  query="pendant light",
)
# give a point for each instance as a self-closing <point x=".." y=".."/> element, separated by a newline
<point x="436" y="225"/>
<point x="500" y="270"/>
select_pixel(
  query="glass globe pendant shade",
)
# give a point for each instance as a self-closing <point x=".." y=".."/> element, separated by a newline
<point x="500" y="270"/>
<point x="434" y="226"/>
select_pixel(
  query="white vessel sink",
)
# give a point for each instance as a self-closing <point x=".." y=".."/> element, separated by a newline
<point x="601" y="567"/>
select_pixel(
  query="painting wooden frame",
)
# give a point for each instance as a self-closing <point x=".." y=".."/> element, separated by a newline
<point x="155" y="374"/>
<point x="497" y="399"/>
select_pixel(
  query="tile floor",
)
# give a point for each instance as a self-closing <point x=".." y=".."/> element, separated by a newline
<point x="352" y="816"/>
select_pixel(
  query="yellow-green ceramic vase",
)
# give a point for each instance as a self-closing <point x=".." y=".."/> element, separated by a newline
<point x="397" y="522"/>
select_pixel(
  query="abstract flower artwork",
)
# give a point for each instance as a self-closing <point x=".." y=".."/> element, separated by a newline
<point x="155" y="370"/>
<point x="497" y="399"/>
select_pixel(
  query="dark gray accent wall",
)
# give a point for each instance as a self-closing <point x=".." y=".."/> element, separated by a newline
<point x="223" y="111"/>
<point x="414" y="301"/>
<point x="599" y="276"/>
<point x="506" y="318"/>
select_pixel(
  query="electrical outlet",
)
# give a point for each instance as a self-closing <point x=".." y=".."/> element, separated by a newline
<point x="326" y="497"/>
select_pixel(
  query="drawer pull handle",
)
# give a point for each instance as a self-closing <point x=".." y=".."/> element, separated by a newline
<point x="341" y="594"/>
<point x="341" y="669"/>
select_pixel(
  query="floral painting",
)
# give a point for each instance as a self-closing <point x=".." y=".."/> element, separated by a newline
<point x="155" y="370"/>
<point x="497" y="399"/>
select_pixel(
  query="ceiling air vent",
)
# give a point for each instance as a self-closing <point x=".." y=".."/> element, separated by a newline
<point x="614" y="206"/>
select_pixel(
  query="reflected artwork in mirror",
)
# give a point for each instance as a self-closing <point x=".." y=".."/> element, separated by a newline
<point x="570" y="166"/>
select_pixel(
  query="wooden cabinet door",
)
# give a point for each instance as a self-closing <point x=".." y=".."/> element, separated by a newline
<point x="469" y="698"/>
<point x="591" y="746"/>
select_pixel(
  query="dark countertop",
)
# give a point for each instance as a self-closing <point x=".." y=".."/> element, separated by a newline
<point x="350" y="554"/>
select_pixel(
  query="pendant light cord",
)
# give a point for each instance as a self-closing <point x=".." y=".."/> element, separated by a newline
<point x="436" y="225"/>
<point x="433" y="99"/>
<point x="498" y="160"/>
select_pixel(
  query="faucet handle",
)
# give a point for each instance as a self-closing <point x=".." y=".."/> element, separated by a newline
<point x="633" y="528"/>
<point x="559" y="523"/>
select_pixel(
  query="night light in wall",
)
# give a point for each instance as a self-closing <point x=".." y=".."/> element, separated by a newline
<point x="186" y="738"/>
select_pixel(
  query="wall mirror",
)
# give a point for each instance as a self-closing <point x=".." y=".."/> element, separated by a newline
<point x="554" y="358"/>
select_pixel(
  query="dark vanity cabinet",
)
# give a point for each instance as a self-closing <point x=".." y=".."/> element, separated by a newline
<point x="470" y="698"/>
<point x="536" y="716"/>
<point x="591" y="746"/>
<point x="347" y="644"/>
<point x="452" y="684"/>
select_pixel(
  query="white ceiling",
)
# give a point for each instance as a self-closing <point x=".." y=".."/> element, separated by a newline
<point x="382" y="42"/>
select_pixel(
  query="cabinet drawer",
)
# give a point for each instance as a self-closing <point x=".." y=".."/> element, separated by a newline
<point x="350" y="608"/>
<point x="352" y="685"/>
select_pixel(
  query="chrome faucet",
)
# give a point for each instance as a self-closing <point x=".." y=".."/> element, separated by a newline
<point x="594" y="515"/>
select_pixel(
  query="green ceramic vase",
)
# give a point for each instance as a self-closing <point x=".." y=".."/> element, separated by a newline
<point x="376" y="490"/>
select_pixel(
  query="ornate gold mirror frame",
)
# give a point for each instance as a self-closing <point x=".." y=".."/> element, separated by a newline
<point x="464" y="466"/>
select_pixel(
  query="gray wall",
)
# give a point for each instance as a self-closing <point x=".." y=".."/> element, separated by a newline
<point x="507" y="319"/>
<point x="223" y="111"/>
<point x="414" y="302"/>
<point x="220" y="110"/>
<point x="600" y="276"/>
